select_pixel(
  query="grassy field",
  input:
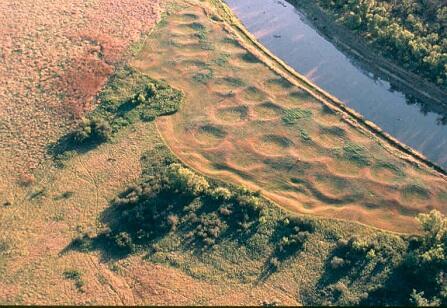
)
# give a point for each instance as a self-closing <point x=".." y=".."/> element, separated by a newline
<point x="244" y="123"/>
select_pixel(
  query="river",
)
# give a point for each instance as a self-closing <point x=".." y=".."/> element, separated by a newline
<point x="290" y="35"/>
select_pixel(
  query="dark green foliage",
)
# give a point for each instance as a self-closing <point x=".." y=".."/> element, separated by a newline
<point x="129" y="97"/>
<point x="76" y="276"/>
<point x="174" y="198"/>
<point x="92" y="131"/>
<point x="290" y="235"/>
<point x="412" y="32"/>
<point x="426" y="261"/>
<point x="249" y="57"/>
<point x="360" y="264"/>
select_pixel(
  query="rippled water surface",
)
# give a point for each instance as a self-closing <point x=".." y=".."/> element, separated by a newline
<point x="290" y="36"/>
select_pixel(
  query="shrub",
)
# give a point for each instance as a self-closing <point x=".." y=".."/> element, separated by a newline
<point x="220" y="194"/>
<point x="173" y="221"/>
<point x="124" y="241"/>
<point x="209" y="229"/>
<point x="337" y="263"/>
<point x="187" y="181"/>
<point x="76" y="276"/>
<point x="426" y="263"/>
<point x="92" y="131"/>
<point x="294" y="232"/>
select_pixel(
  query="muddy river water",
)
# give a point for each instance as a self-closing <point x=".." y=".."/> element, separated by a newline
<point x="290" y="35"/>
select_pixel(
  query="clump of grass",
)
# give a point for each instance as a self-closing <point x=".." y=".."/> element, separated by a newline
<point x="356" y="154"/>
<point x="39" y="193"/>
<point x="231" y="41"/>
<point x="292" y="116"/>
<point x="76" y="276"/>
<point x="65" y="195"/>
<point x="249" y="57"/>
<point x="234" y="82"/>
<point x="204" y="76"/>
<point x="190" y="16"/>
<point x="334" y="130"/>
<point x="389" y="166"/>
<point x="281" y="82"/>
<point x="278" y="140"/>
<point x="253" y="93"/>
<point x="197" y="26"/>
<point x="222" y="59"/>
<point x="304" y="135"/>
<point x="415" y="190"/>
<point x="300" y="95"/>
<point x="214" y="131"/>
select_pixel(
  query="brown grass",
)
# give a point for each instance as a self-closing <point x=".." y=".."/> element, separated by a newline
<point x="54" y="57"/>
<point x="39" y="230"/>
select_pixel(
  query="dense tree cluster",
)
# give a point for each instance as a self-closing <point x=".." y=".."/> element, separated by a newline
<point x="412" y="32"/>
<point x="427" y="261"/>
<point x="174" y="198"/>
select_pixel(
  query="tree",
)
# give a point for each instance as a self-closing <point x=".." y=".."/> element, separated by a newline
<point x="92" y="130"/>
<point x="428" y="262"/>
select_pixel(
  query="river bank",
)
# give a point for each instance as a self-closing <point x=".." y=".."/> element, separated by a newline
<point x="347" y="41"/>
<point x="289" y="34"/>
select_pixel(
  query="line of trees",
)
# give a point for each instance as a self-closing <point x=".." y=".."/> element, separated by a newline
<point x="411" y="32"/>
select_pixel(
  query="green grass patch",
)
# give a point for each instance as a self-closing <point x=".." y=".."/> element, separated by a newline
<point x="299" y="95"/>
<point x="232" y="82"/>
<point x="415" y="190"/>
<point x="334" y="131"/>
<point x="231" y="41"/>
<point x="249" y="58"/>
<point x="304" y="135"/>
<point x="253" y="93"/>
<point x="280" y="82"/>
<point x="389" y="166"/>
<point x="204" y="76"/>
<point x="356" y="154"/>
<point x="292" y="116"/>
<point x="222" y="59"/>
<point x="214" y="131"/>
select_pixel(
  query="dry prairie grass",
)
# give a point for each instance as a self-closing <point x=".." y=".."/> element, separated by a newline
<point x="40" y="227"/>
<point x="54" y="57"/>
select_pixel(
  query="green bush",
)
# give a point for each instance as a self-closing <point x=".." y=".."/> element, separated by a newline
<point x="185" y="180"/>
<point x="92" y="131"/>
<point x="76" y="276"/>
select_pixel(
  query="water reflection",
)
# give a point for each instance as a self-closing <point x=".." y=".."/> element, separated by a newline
<point x="286" y="32"/>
